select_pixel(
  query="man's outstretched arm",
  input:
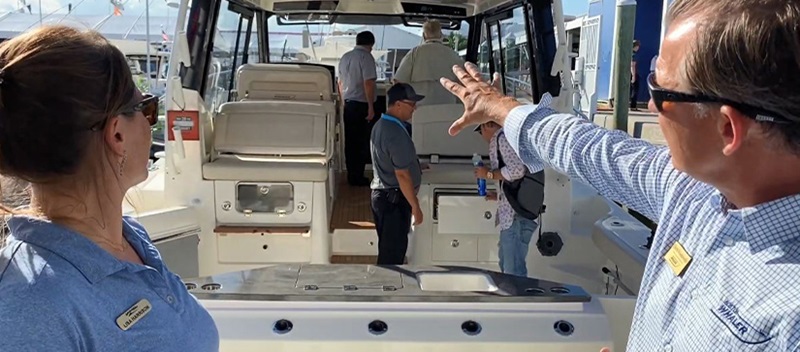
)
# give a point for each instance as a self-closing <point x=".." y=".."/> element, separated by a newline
<point x="628" y="170"/>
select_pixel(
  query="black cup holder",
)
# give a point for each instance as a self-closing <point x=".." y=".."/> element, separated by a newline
<point x="211" y="287"/>
<point x="534" y="290"/>
<point x="559" y="290"/>
<point x="377" y="327"/>
<point x="471" y="328"/>
<point x="282" y="326"/>
<point x="563" y="328"/>
<point x="190" y="285"/>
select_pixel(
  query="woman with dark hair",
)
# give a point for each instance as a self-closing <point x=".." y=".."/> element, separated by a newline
<point x="75" y="275"/>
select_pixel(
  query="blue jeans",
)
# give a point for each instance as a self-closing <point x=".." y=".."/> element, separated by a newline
<point x="514" y="243"/>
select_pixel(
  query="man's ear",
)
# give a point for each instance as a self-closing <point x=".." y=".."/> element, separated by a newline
<point x="114" y="136"/>
<point x="732" y="126"/>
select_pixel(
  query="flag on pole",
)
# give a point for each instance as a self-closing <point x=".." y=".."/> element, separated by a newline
<point x="118" y="8"/>
<point x="164" y="35"/>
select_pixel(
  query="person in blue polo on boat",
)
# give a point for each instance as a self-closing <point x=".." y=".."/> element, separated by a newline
<point x="397" y="175"/>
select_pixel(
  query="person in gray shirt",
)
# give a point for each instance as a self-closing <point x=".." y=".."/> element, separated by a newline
<point x="397" y="175"/>
<point x="357" y="76"/>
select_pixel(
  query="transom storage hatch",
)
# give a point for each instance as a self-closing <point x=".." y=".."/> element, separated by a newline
<point x="275" y="198"/>
<point x="263" y="203"/>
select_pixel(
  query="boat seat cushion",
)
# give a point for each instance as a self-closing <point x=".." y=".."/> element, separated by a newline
<point x="272" y="128"/>
<point x="293" y="82"/>
<point x="236" y="168"/>
<point x="429" y="132"/>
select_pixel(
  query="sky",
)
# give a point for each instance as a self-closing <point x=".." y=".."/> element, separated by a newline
<point x="575" y="7"/>
<point x="89" y="7"/>
<point x="159" y="7"/>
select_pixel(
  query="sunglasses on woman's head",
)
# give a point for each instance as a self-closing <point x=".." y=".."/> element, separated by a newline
<point x="661" y="95"/>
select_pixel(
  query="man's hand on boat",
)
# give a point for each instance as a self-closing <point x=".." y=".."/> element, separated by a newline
<point x="483" y="101"/>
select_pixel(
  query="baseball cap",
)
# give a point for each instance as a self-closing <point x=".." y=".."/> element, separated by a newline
<point x="402" y="91"/>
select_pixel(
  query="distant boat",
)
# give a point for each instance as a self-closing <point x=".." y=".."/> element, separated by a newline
<point x="136" y="53"/>
<point x="336" y="44"/>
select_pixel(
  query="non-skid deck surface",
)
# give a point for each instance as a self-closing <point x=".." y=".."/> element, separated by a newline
<point x="370" y="283"/>
<point x="351" y="208"/>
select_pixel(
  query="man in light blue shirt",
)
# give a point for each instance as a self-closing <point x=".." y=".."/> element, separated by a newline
<point x="723" y="273"/>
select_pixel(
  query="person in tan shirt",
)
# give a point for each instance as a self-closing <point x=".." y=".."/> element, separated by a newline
<point x="425" y="64"/>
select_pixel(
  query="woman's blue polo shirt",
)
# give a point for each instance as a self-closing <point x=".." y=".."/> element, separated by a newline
<point x="59" y="291"/>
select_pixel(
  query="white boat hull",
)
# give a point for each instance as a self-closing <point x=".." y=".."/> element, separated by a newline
<point x="295" y="307"/>
<point x="345" y="326"/>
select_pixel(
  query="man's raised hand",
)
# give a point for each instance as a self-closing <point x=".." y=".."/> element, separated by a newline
<point x="482" y="101"/>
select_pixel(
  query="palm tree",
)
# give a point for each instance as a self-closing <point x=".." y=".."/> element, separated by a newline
<point x="457" y="41"/>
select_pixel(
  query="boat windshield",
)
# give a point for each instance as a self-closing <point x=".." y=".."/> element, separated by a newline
<point x="322" y="38"/>
<point x="325" y="43"/>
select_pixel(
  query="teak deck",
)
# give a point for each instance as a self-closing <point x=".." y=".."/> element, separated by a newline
<point x="351" y="208"/>
<point x="352" y="211"/>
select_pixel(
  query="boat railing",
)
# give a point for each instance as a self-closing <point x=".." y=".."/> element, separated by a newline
<point x="519" y="87"/>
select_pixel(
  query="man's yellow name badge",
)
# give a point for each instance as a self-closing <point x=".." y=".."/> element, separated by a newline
<point x="678" y="259"/>
<point x="134" y="314"/>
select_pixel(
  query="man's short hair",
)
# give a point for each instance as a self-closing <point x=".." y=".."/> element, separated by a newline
<point x="365" y="38"/>
<point x="746" y="57"/>
<point x="432" y="29"/>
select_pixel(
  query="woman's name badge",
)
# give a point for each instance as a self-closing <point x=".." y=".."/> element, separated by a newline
<point x="678" y="259"/>
<point x="133" y="314"/>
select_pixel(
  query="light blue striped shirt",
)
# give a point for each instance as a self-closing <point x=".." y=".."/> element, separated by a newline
<point x="741" y="292"/>
<point x="61" y="292"/>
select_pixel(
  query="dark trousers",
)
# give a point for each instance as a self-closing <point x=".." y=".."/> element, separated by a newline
<point x="634" y="93"/>
<point x="392" y="215"/>
<point x="356" y="139"/>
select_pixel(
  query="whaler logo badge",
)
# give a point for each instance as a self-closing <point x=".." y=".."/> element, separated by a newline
<point x="133" y="314"/>
<point x="729" y="315"/>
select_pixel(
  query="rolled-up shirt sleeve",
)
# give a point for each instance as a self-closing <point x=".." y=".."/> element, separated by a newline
<point x="628" y="170"/>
